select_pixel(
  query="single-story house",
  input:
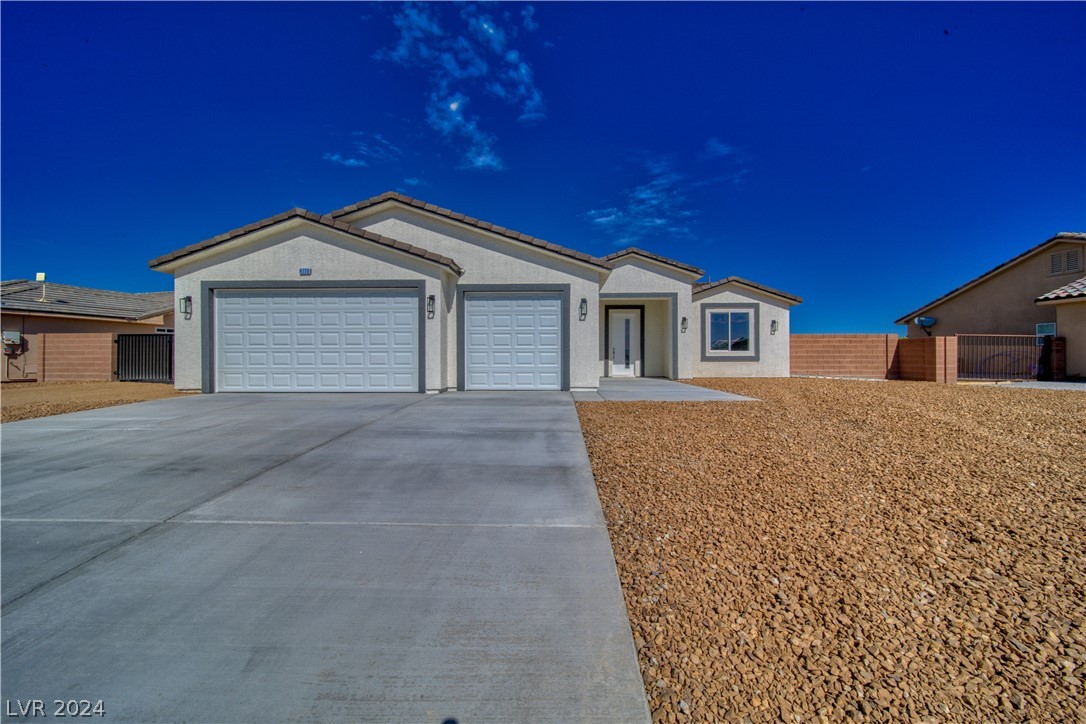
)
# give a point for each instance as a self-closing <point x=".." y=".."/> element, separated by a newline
<point x="1069" y="301"/>
<point x="63" y="332"/>
<point x="1001" y="300"/>
<point x="395" y="294"/>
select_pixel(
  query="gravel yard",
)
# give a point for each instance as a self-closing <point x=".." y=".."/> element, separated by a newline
<point x="26" y="400"/>
<point x="845" y="549"/>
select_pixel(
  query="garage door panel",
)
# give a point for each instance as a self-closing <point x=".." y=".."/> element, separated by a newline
<point x="323" y="340"/>
<point x="512" y="341"/>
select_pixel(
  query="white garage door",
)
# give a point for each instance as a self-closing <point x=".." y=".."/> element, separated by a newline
<point x="513" y="342"/>
<point x="316" y="341"/>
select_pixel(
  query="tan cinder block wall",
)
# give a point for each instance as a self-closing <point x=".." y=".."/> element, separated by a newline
<point x="87" y="356"/>
<point x="929" y="359"/>
<point x="871" y="356"/>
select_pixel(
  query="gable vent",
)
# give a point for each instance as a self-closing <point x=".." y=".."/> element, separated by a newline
<point x="1055" y="263"/>
<point x="1073" y="261"/>
<point x="1063" y="262"/>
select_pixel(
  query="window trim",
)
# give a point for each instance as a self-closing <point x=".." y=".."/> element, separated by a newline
<point x="752" y="355"/>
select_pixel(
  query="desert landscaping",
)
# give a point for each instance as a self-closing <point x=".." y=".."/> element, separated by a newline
<point x="847" y="549"/>
<point x="27" y="400"/>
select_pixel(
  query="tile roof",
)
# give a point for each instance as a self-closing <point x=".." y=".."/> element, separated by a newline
<point x="654" y="257"/>
<point x="20" y="295"/>
<point x="325" y="220"/>
<point x="699" y="288"/>
<point x="1074" y="290"/>
<point x="1061" y="236"/>
<point x="470" y="221"/>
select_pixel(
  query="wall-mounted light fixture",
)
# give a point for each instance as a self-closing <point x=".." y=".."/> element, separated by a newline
<point x="773" y="327"/>
<point x="683" y="325"/>
<point x="583" y="309"/>
<point x="430" y="307"/>
<point x="186" y="307"/>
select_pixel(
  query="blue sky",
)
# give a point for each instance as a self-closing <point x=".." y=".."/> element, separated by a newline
<point x="867" y="157"/>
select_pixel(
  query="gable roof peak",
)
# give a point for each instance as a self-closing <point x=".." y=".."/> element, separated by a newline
<point x="467" y="221"/>
<point x="633" y="250"/>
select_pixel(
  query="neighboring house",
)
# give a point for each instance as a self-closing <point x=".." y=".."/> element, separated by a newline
<point x="1069" y="301"/>
<point x="1001" y="301"/>
<point x="394" y="294"/>
<point x="60" y="332"/>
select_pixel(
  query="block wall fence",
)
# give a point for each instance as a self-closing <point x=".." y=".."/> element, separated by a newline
<point x="83" y="356"/>
<point x="875" y="356"/>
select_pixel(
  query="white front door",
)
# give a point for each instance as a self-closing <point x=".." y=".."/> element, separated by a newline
<point x="625" y="343"/>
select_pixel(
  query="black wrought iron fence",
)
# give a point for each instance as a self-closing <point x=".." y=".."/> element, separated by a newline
<point x="999" y="356"/>
<point x="145" y="357"/>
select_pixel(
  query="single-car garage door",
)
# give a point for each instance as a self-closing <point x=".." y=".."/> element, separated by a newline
<point x="316" y="341"/>
<point x="513" y="341"/>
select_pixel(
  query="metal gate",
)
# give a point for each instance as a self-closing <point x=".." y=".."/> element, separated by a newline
<point x="1000" y="356"/>
<point x="145" y="357"/>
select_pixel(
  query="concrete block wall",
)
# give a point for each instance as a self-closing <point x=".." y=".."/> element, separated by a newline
<point x="872" y="356"/>
<point x="929" y="359"/>
<point x="86" y="356"/>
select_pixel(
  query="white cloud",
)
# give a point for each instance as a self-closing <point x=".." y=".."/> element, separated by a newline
<point x="659" y="208"/>
<point x="715" y="148"/>
<point x="462" y="54"/>
<point x="345" y="161"/>
<point x="528" y="16"/>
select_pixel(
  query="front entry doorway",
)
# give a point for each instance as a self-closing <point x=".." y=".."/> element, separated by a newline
<point x="624" y="345"/>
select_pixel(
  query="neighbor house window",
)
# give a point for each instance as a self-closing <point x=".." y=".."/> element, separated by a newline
<point x="729" y="331"/>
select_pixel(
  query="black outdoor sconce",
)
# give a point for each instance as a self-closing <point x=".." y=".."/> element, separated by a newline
<point x="584" y="309"/>
<point x="430" y="307"/>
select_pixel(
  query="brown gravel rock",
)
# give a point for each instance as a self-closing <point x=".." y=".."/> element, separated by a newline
<point x="26" y="400"/>
<point x="842" y="549"/>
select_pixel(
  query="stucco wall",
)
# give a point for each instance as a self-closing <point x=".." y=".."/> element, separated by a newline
<point x="1071" y="325"/>
<point x="638" y="279"/>
<point x="24" y="366"/>
<point x="278" y="255"/>
<point x="488" y="259"/>
<point x="1002" y="304"/>
<point x="773" y="349"/>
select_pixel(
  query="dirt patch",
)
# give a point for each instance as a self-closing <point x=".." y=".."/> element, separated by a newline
<point x="26" y="400"/>
<point x="843" y="549"/>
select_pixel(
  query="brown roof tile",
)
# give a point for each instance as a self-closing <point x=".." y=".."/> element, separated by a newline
<point x="470" y="221"/>
<point x="1074" y="290"/>
<point x="20" y="295"/>
<point x="654" y="257"/>
<point x="327" y="220"/>
<point x="699" y="288"/>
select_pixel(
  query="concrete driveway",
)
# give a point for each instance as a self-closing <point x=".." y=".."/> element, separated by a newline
<point x="314" y="558"/>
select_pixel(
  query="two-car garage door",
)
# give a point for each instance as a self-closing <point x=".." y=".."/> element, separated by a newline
<point x="316" y="341"/>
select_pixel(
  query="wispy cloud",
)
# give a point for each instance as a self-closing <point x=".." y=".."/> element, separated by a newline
<point x="345" y="160"/>
<point x="413" y="181"/>
<point x="463" y="54"/>
<point x="367" y="147"/>
<point x="715" y="148"/>
<point x="660" y="206"/>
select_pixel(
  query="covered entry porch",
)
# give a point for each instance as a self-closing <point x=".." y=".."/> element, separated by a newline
<point x="639" y="336"/>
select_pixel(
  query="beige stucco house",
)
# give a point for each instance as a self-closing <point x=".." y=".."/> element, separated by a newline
<point x="395" y="294"/>
<point x="64" y="332"/>
<point x="1026" y="295"/>
<point x="1069" y="301"/>
<point x="1001" y="301"/>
